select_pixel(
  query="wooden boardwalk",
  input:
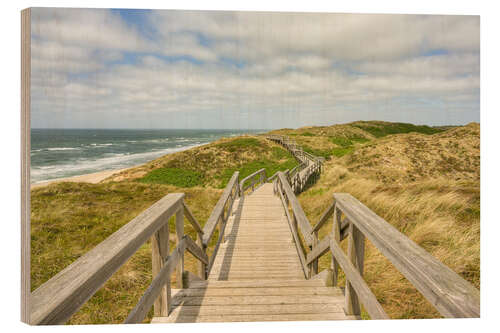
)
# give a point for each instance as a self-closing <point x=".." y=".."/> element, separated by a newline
<point x="257" y="275"/>
<point x="264" y="265"/>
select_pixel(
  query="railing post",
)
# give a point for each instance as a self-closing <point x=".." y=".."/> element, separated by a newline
<point x="179" y="233"/>
<point x="159" y="254"/>
<point x="355" y="253"/>
<point x="202" y="268"/>
<point x="336" y="237"/>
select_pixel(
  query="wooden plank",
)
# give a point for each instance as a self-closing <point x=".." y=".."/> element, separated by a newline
<point x="260" y="309"/>
<point x="25" y="165"/>
<point x="179" y="235"/>
<point x="195" y="250"/>
<point x="57" y="299"/>
<point x="324" y="218"/>
<point x="264" y="291"/>
<point x="159" y="254"/>
<point x="190" y="217"/>
<point x="142" y="307"/>
<point x="295" y="236"/>
<point x="257" y="300"/>
<point x="299" y="214"/>
<point x="352" y="305"/>
<point x="264" y="283"/>
<point x="369" y="300"/>
<point x="319" y="250"/>
<point x="253" y="318"/>
<point x="212" y="221"/>
<point x="447" y="291"/>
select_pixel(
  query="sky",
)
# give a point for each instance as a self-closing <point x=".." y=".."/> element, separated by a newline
<point x="100" y="68"/>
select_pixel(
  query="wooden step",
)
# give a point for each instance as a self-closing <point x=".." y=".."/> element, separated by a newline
<point x="178" y="317"/>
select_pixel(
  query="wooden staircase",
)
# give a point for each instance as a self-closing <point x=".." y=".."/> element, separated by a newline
<point x="265" y="262"/>
<point x="257" y="275"/>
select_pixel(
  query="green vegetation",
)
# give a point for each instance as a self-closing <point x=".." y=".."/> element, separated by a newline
<point x="339" y="152"/>
<point x="326" y="153"/>
<point x="173" y="176"/>
<point x="424" y="184"/>
<point x="69" y="219"/>
<point x="380" y="129"/>
<point x="249" y="168"/>
<point x="240" y="143"/>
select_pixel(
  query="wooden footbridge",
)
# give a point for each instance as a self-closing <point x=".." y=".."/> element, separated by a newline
<point x="264" y="265"/>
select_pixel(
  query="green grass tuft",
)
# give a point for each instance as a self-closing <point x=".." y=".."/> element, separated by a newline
<point x="237" y="144"/>
<point x="383" y="129"/>
<point x="173" y="176"/>
<point x="339" y="152"/>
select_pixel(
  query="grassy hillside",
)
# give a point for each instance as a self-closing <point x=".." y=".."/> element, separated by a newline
<point x="423" y="180"/>
<point x="425" y="183"/>
<point x="69" y="219"/>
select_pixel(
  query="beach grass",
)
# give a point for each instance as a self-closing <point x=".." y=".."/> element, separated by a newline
<point x="422" y="180"/>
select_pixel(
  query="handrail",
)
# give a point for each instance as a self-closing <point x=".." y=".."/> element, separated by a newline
<point x="298" y="212"/>
<point x="140" y="311"/>
<point x="262" y="178"/>
<point x="369" y="300"/>
<point x="446" y="290"/>
<point x="57" y="299"/>
<point x="227" y="196"/>
<point x="450" y="294"/>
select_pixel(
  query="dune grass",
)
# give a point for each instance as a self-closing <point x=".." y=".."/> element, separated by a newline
<point x="426" y="185"/>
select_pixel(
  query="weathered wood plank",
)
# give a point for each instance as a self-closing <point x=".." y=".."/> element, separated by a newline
<point x="264" y="283"/>
<point x="264" y="291"/>
<point x="319" y="250"/>
<point x="190" y="217"/>
<point x="303" y="222"/>
<point x="257" y="300"/>
<point x="252" y="318"/>
<point x="244" y="309"/>
<point x="159" y="254"/>
<point x="142" y="307"/>
<point x="447" y="291"/>
<point x="218" y="210"/>
<point x="57" y="299"/>
<point x="369" y="300"/>
<point x="195" y="250"/>
<point x="324" y="218"/>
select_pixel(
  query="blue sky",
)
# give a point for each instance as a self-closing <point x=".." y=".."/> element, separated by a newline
<point x="97" y="68"/>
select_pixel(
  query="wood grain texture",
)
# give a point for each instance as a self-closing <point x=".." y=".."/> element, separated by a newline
<point x="451" y="295"/>
<point x="57" y="299"/>
<point x="25" y="164"/>
<point x="142" y="307"/>
<point x="218" y="210"/>
<point x="356" y="281"/>
<point x="159" y="254"/>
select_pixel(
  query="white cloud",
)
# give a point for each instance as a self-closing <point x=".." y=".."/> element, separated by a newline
<point x="320" y="64"/>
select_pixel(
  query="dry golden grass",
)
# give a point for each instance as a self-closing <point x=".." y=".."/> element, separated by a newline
<point x="438" y="208"/>
<point x="427" y="186"/>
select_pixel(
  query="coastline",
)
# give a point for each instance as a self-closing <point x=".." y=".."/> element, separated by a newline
<point x="92" y="178"/>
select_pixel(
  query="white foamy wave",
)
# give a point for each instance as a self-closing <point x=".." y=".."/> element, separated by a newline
<point x="84" y="166"/>
<point x="62" y="148"/>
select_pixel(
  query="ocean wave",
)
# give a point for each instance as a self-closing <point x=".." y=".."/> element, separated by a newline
<point x="81" y="166"/>
<point x="62" y="148"/>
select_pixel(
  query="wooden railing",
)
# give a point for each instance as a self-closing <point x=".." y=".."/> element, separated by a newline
<point x="297" y="220"/>
<point x="451" y="295"/>
<point x="57" y="299"/>
<point x="257" y="178"/>
<point x="309" y="167"/>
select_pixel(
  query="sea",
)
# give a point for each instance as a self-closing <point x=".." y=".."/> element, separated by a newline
<point x="60" y="153"/>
